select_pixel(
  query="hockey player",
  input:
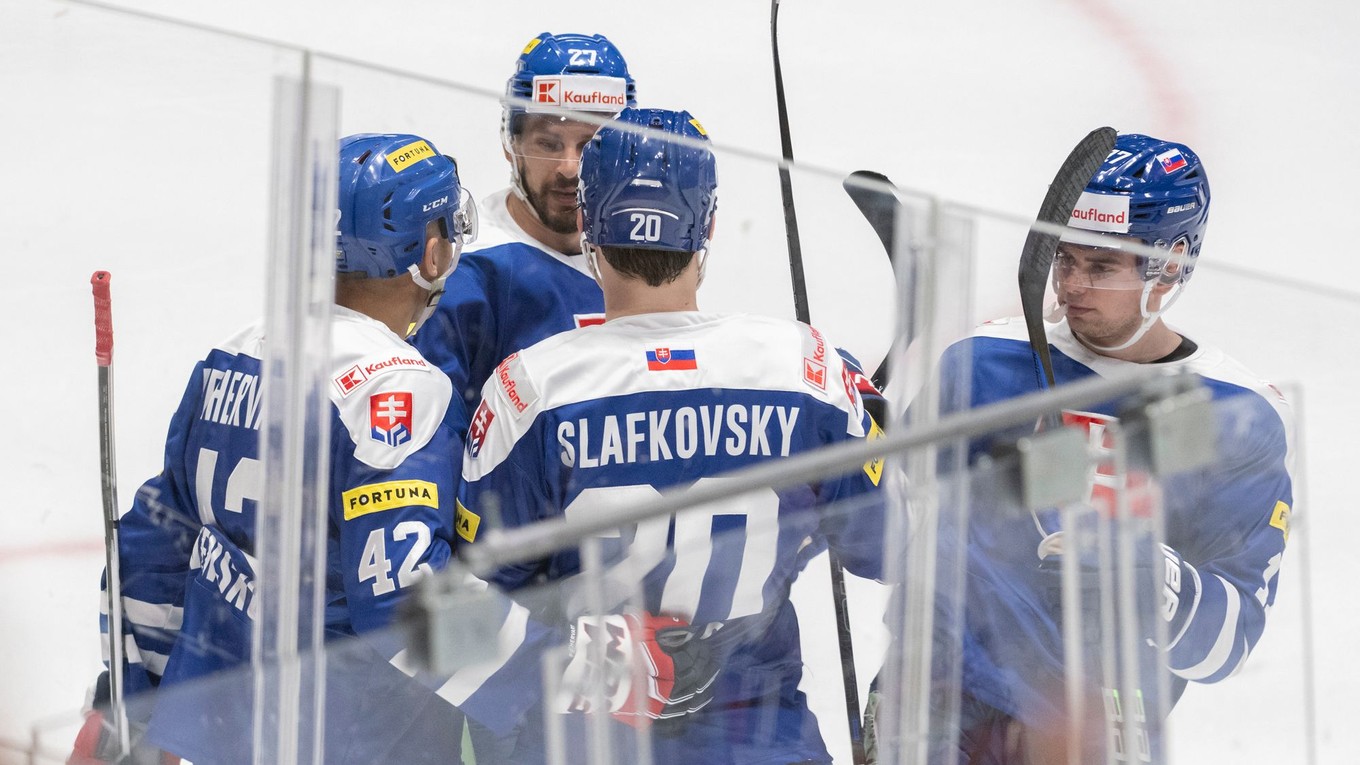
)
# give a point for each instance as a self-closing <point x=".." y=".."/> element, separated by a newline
<point x="1226" y="525"/>
<point x="187" y="543"/>
<point x="528" y="279"/>
<point x="662" y="395"/>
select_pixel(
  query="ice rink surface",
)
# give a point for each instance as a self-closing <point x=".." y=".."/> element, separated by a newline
<point x="143" y="148"/>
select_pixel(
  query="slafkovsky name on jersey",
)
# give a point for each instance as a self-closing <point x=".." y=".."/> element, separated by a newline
<point x="680" y="433"/>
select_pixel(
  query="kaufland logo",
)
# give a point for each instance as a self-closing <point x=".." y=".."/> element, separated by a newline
<point x="1101" y="212"/>
<point x="581" y="91"/>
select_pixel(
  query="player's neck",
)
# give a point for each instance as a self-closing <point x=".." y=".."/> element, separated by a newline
<point x="1156" y="343"/>
<point x="638" y="298"/>
<point x="524" y="216"/>
<point x="395" y="303"/>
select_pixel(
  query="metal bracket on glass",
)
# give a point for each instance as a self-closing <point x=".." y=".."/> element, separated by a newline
<point x="1054" y="467"/>
<point x="453" y="622"/>
<point x="1181" y="432"/>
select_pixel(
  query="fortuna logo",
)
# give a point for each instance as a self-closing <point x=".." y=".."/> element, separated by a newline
<point x="1101" y="212"/>
<point x="481" y="425"/>
<point x="389" y="417"/>
<point x="587" y="92"/>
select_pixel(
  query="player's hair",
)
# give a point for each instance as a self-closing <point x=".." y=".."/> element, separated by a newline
<point x="655" y="267"/>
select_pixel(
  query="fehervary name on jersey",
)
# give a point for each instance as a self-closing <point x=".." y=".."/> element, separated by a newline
<point x="232" y="397"/>
<point x="665" y="434"/>
<point x="216" y="567"/>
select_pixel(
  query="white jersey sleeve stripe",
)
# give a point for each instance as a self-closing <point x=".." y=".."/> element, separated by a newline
<point x="155" y="615"/>
<point x="466" y="681"/>
<point x="1227" y="637"/>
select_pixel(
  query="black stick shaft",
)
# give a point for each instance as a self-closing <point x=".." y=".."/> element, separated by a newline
<point x="802" y="312"/>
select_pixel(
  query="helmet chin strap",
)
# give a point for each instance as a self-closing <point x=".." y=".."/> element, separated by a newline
<point x="434" y="289"/>
<point x="1149" y="317"/>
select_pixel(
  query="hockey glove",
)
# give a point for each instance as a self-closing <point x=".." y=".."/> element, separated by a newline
<point x="641" y="668"/>
<point x="97" y="742"/>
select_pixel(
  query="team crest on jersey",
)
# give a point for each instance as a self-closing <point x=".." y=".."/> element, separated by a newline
<point x="1102" y="482"/>
<point x="587" y="319"/>
<point x="481" y="425"/>
<point x="389" y="417"/>
<point x="670" y="359"/>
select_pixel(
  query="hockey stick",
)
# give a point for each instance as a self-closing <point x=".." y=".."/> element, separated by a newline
<point x="1037" y="256"/>
<point x="880" y="208"/>
<point x="800" y="307"/>
<point x="103" y="354"/>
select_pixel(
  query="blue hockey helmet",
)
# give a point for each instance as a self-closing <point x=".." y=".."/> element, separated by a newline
<point x="571" y="71"/>
<point x="1154" y="191"/>
<point x="391" y="186"/>
<point x="641" y="188"/>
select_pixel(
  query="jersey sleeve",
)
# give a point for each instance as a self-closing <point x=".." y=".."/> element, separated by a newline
<point x="156" y="538"/>
<point x="503" y="479"/>
<point x="1222" y="573"/>
<point x="852" y="503"/>
<point x="393" y="483"/>
<point x="461" y="337"/>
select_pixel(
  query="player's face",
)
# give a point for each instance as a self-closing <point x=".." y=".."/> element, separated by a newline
<point x="1101" y="291"/>
<point x="548" y="151"/>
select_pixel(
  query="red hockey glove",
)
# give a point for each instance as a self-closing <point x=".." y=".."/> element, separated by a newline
<point x="97" y="742"/>
<point x="640" y="667"/>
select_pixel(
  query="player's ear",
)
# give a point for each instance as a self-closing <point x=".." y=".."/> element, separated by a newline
<point x="437" y="251"/>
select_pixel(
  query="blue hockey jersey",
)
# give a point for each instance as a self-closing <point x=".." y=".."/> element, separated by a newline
<point x="1226" y="523"/>
<point x="620" y="412"/>
<point x="506" y="295"/>
<point x="187" y="543"/>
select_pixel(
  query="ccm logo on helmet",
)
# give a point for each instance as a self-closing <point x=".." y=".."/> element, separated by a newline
<point x="440" y="202"/>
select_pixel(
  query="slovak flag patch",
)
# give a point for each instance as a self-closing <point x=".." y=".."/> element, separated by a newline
<point x="1172" y="160"/>
<point x="389" y="417"/>
<point x="670" y="359"/>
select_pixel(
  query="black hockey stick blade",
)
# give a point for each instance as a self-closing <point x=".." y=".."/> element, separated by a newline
<point x="878" y="205"/>
<point x="1037" y="257"/>
<point x="870" y="191"/>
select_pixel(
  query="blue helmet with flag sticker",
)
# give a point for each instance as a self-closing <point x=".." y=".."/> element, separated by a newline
<point x="390" y="187"/>
<point x="571" y="71"/>
<point x="1154" y="191"/>
<point x="641" y="188"/>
